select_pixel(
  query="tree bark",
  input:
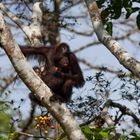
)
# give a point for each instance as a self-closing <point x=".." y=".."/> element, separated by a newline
<point x="36" y="85"/>
<point x="112" y="45"/>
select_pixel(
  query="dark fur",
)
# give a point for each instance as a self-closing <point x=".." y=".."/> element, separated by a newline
<point x="62" y="71"/>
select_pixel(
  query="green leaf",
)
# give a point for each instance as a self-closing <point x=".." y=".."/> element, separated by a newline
<point x="13" y="136"/>
<point x="117" y="8"/>
<point x="138" y="21"/>
<point x="2" y="102"/>
<point x="100" y="3"/>
<point x="61" y="136"/>
<point x="104" y="14"/>
<point x="116" y="3"/>
<point x="109" y="27"/>
<point x="135" y="9"/>
<point x="127" y="3"/>
<point x="86" y="130"/>
<point x="129" y="12"/>
<point x="105" y="134"/>
<point x="136" y="1"/>
<point x="108" y="129"/>
<point x="136" y="136"/>
<point x="123" y="138"/>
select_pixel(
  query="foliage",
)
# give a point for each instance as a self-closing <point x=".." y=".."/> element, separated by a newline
<point x="96" y="133"/>
<point x="63" y="135"/>
<point x="132" y="136"/>
<point x="113" y="9"/>
<point x="104" y="133"/>
<point x="87" y="108"/>
<point x="5" y="121"/>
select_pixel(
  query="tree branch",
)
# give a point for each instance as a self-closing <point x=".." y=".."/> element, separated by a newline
<point x="126" y="111"/>
<point x="112" y="45"/>
<point x="36" y="85"/>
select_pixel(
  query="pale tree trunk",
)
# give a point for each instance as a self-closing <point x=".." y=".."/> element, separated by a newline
<point x="36" y="85"/>
<point x="112" y="45"/>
